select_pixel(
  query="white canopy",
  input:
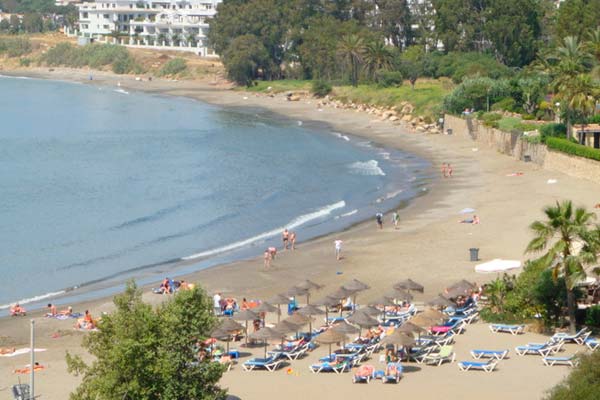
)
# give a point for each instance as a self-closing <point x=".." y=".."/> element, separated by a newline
<point x="497" y="265"/>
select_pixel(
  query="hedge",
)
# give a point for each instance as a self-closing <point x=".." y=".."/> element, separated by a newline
<point x="569" y="147"/>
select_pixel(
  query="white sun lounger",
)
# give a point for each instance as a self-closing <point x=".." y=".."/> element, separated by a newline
<point x="579" y="338"/>
<point x="512" y="329"/>
<point x="552" y="361"/>
<point x="270" y="364"/>
<point x="592" y="343"/>
<point x="542" y="349"/>
<point x="497" y="354"/>
<point x="478" y="365"/>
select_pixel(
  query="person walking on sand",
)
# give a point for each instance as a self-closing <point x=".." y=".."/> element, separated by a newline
<point x="338" y="249"/>
<point x="267" y="257"/>
<point x="449" y="171"/>
<point x="379" y="219"/>
<point x="217" y="303"/>
<point x="395" y="219"/>
<point x="285" y="237"/>
<point x="293" y="240"/>
<point x="444" y="170"/>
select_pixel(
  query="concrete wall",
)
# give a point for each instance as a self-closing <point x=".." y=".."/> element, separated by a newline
<point x="512" y="145"/>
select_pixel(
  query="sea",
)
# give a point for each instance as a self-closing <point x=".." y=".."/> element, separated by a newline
<point x="100" y="184"/>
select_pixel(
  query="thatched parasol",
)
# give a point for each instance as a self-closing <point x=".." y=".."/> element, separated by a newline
<point x="296" y="291"/>
<point x="342" y="293"/>
<point x="356" y="285"/>
<point x="226" y="328"/>
<point x="298" y="319"/>
<point x="246" y="315"/>
<point x="409" y="284"/>
<point x="266" y="334"/>
<point x="401" y="294"/>
<point x="327" y="302"/>
<point x="363" y="320"/>
<point x="409" y="327"/>
<point x="286" y="327"/>
<point x="329" y="337"/>
<point x="370" y="310"/>
<point x="278" y="300"/>
<point x="345" y="328"/>
<point x="309" y="286"/>
<point x="383" y="301"/>
<point x="310" y="310"/>
<point x="265" y="307"/>
<point x="460" y="288"/>
<point x="398" y="339"/>
<point x="440" y="301"/>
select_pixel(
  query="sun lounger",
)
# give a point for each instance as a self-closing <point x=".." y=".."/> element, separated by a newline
<point x="497" y="354"/>
<point x="579" y="338"/>
<point x="363" y="374"/>
<point x="445" y="353"/>
<point x="418" y="353"/>
<point x="269" y="363"/>
<point x="392" y="373"/>
<point x="542" y="349"/>
<point x="512" y="329"/>
<point x="570" y="361"/>
<point x="290" y="353"/>
<point x="330" y="367"/>
<point x="478" y="365"/>
<point x="592" y="343"/>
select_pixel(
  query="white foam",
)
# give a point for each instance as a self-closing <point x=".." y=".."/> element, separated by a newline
<point x="14" y="77"/>
<point x="33" y="299"/>
<point x="121" y="91"/>
<point x="385" y="155"/>
<point x="349" y="213"/>
<point x="339" y="135"/>
<point x="296" y="222"/>
<point x="391" y="195"/>
<point x="370" y="167"/>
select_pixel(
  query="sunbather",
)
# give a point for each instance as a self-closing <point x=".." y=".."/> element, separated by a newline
<point x="51" y="310"/>
<point x="17" y="311"/>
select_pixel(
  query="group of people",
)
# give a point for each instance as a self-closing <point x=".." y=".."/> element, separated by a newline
<point x="395" y="219"/>
<point x="225" y="305"/>
<point x="53" y="312"/>
<point x="87" y="322"/>
<point x="289" y="242"/>
<point x="17" y="311"/>
<point x="169" y="286"/>
<point x="447" y="170"/>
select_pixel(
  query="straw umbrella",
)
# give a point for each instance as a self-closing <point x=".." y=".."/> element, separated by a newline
<point x="309" y="286"/>
<point x="327" y="302"/>
<point x="278" y="300"/>
<point x="398" y="338"/>
<point x="342" y="293"/>
<point x="309" y="311"/>
<point x="298" y="319"/>
<point x="370" y="311"/>
<point x="440" y="301"/>
<point x="401" y="294"/>
<point x="265" y="307"/>
<point x="363" y="320"/>
<point x="286" y="327"/>
<point x="266" y="334"/>
<point x="226" y="328"/>
<point x="245" y="315"/>
<point x="329" y="337"/>
<point x="434" y="314"/>
<point x="356" y="286"/>
<point x="460" y="288"/>
<point x="345" y="328"/>
<point x="383" y="301"/>
<point x="409" y="284"/>
<point x="409" y="327"/>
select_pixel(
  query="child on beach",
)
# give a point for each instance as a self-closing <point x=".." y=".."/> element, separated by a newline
<point x="449" y="171"/>
<point x="395" y="219"/>
<point x="338" y="249"/>
<point x="379" y="219"/>
<point x="293" y="240"/>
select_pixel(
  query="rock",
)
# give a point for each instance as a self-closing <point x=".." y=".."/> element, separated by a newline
<point x="407" y="118"/>
<point x="293" y="98"/>
<point x="394" y="118"/>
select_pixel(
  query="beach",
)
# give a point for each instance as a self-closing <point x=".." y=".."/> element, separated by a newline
<point x="430" y="247"/>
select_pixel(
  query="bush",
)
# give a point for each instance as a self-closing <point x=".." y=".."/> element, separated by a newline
<point x="321" y="88"/>
<point x="568" y="147"/>
<point x="460" y="66"/>
<point x="491" y="119"/>
<point x="506" y="104"/>
<point x="24" y="62"/>
<point x="553" y="130"/>
<point x="173" y="67"/>
<point x="476" y="93"/>
<point x="15" y="47"/>
<point x="583" y="383"/>
<point x="592" y="317"/>
<point x="93" y="55"/>
<point x="389" y="78"/>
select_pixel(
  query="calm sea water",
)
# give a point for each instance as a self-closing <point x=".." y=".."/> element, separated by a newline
<point x="99" y="184"/>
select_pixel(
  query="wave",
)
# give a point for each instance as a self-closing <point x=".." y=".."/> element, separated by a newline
<point x="121" y="91"/>
<point x="385" y="155"/>
<point x="14" y="77"/>
<point x="370" y="167"/>
<point x="339" y="135"/>
<point x="33" y="299"/>
<point x="349" y="213"/>
<point x="393" y="194"/>
<point x="296" y="222"/>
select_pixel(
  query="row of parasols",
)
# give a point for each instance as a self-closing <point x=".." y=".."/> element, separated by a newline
<point x="363" y="317"/>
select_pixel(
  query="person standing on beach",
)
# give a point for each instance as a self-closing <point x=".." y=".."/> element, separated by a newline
<point x="217" y="303"/>
<point x="449" y="171"/>
<point x="267" y="257"/>
<point x="444" y="170"/>
<point x="379" y="219"/>
<point x="293" y="240"/>
<point x="395" y="219"/>
<point x="338" y="249"/>
<point x="285" y="237"/>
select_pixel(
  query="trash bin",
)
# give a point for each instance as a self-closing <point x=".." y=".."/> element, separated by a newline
<point x="449" y="131"/>
<point x="474" y="253"/>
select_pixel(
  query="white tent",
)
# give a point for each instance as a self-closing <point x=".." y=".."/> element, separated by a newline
<point x="497" y="265"/>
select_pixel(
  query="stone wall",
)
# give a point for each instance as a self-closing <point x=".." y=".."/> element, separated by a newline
<point x="512" y="145"/>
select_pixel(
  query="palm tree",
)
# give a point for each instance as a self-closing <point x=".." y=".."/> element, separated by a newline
<point x="558" y="237"/>
<point x="377" y="57"/>
<point x="593" y="44"/>
<point x="175" y="39"/>
<point x="351" y="49"/>
<point x="582" y="95"/>
<point x="191" y="40"/>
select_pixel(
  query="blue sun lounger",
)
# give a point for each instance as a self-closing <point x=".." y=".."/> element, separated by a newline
<point x="542" y="349"/>
<point x="478" y="365"/>
<point x="592" y="343"/>
<point x="497" y="354"/>
<point x="579" y="338"/>
<point x="269" y="363"/>
<point x="552" y="361"/>
<point x="512" y="329"/>
<point x="330" y="367"/>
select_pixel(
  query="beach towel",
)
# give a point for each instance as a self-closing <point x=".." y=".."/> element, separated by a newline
<point x="18" y="352"/>
<point x="27" y="369"/>
<point x="365" y="370"/>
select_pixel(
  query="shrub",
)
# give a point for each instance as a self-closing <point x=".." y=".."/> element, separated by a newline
<point x="93" y="55"/>
<point x="528" y="117"/>
<point x="568" y="147"/>
<point x="491" y="119"/>
<point x="506" y="104"/>
<point x="553" y="130"/>
<point x="173" y="67"/>
<point x="593" y="316"/>
<point x="321" y="88"/>
<point x="476" y="93"/>
<point x="389" y="78"/>
<point x="24" y="62"/>
<point x="583" y="383"/>
<point x="15" y="47"/>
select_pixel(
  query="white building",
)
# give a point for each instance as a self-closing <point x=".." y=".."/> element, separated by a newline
<point x="169" y="25"/>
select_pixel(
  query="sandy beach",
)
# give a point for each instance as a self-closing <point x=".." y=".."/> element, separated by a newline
<point x="430" y="247"/>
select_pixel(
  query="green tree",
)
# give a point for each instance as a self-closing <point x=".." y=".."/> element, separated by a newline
<point x="245" y="58"/>
<point x="15" y="24"/>
<point x="351" y="50"/>
<point x="575" y="17"/>
<point x="33" y="23"/>
<point x="394" y="19"/>
<point x="556" y="237"/>
<point x="148" y="354"/>
<point x="4" y="25"/>
<point x="377" y="57"/>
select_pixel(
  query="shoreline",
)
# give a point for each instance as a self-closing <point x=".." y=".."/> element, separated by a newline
<point x="430" y="247"/>
<point x="83" y="292"/>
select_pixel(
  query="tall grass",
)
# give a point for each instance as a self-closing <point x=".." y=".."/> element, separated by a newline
<point x="15" y="47"/>
<point x="94" y="56"/>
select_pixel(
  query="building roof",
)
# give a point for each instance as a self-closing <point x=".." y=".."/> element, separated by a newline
<point x="589" y="128"/>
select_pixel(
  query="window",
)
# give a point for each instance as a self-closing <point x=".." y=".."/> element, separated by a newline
<point x="84" y="15"/>
<point x="106" y="16"/>
<point x="105" y="26"/>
